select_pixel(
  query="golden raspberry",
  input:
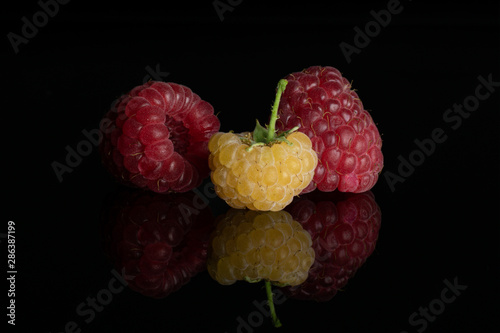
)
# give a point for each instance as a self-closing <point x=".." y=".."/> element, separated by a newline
<point x="253" y="246"/>
<point x="260" y="177"/>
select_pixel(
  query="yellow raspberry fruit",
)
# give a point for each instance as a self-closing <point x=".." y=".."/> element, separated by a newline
<point x="253" y="246"/>
<point x="260" y="177"/>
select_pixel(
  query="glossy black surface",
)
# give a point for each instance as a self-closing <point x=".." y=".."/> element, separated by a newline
<point x="438" y="244"/>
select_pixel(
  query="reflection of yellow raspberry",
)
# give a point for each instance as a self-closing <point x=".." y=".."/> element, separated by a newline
<point x="266" y="177"/>
<point x="254" y="246"/>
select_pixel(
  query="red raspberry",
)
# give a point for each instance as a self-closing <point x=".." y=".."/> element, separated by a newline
<point x="344" y="229"/>
<point x="158" y="137"/>
<point x="157" y="241"/>
<point x="320" y="101"/>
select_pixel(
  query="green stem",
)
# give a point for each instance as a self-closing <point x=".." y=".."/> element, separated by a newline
<point x="276" y="321"/>
<point x="274" y="114"/>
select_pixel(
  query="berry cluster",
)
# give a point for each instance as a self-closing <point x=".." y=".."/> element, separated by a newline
<point x="157" y="137"/>
<point x="164" y="138"/>
<point x="157" y="241"/>
<point x="320" y="102"/>
<point x="254" y="246"/>
<point x="344" y="229"/>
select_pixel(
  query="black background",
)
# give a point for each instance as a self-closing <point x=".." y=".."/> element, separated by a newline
<point x="440" y="223"/>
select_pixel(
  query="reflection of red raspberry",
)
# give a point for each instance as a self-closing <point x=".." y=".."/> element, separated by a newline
<point x="321" y="103"/>
<point x="158" y="137"/>
<point x="158" y="241"/>
<point x="344" y="229"/>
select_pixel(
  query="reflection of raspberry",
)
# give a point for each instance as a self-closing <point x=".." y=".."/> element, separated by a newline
<point x="344" y="229"/>
<point x="321" y="103"/>
<point x="158" y="137"/>
<point x="265" y="178"/>
<point x="158" y="241"/>
<point x="262" y="170"/>
<point x="253" y="246"/>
